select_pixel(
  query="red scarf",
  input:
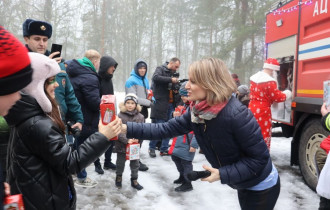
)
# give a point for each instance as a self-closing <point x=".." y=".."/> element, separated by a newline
<point x="201" y="111"/>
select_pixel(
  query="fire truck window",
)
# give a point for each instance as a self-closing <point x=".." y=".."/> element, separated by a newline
<point x="282" y="80"/>
<point x="290" y="78"/>
<point x="285" y="77"/>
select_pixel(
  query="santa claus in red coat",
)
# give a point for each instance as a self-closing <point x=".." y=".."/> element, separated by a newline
<point x="263" y="93"/>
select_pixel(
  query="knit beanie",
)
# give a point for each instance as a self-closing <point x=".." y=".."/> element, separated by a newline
<point x="15" y="68"/>
<point x="243" y="90"/>
<point x="183" y="91"/>
<point x="43" y="68"/>
<point x="131" y="96"/>
<point x="141" y="64"/>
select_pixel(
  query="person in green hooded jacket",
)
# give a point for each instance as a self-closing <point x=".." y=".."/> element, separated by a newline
<point x="86" y="84"/>
<point x="69" y="105"/>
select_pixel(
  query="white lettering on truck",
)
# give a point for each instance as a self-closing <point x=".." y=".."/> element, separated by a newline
<point x="323" y="8"/>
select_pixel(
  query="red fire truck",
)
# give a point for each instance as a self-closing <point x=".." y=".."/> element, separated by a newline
<point x="298" y="35"/>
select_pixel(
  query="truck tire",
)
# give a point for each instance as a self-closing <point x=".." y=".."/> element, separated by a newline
<point x="310" y="140"/>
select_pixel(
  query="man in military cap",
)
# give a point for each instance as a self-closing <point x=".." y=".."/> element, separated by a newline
<point x="36" y="35"/>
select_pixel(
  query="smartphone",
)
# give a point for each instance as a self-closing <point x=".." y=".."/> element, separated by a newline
<point x="56" y="48"/>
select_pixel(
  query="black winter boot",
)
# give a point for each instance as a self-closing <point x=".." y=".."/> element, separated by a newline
<point x="185" y="187"/>
<point x="143" y="167"/>
<point x="135" y="184"/>
<point x="152" y="153"/>
<point x="118" y="181"/>
<point x="98" y="169"/>
<point x="180" y="180"/>
<point x="109" y="165"/>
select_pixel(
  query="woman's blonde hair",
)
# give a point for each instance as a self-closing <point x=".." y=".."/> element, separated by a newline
<point x="212" y="75"/>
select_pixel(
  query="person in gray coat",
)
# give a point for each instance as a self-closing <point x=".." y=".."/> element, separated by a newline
<point x="129" y="112"/>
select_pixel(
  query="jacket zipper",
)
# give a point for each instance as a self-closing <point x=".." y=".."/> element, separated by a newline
<point x="212" y="146"/>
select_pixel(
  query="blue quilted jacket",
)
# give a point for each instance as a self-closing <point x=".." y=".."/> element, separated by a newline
<point x="231" y="142"/>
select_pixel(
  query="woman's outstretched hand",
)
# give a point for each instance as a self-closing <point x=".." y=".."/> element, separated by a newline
<point x="215" y="174"/>
<point x="123" y="128"/>
<point x="112" y="129"/>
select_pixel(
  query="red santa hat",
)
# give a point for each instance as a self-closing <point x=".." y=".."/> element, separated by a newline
<point x="272" y="63"/>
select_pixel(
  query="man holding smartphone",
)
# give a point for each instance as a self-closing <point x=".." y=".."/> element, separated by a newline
<point x="36" y="35"/>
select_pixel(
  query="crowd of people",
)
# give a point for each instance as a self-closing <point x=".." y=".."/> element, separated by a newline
<point x="43" y="98"/>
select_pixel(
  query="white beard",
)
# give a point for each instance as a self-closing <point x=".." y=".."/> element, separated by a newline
<point x="274" y="75"/>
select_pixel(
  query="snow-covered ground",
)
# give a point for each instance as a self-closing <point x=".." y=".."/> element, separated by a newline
<point x="158" y="192"/>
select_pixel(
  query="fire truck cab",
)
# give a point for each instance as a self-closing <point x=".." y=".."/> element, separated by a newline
<point x="298" y="36"/>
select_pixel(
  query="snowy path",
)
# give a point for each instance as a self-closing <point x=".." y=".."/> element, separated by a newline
<point x="158" y="192"/>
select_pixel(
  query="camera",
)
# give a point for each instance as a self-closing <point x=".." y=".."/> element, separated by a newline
<point x="194" y="175"/>
<point x="176" y="86"/>
<point x="75" y="131"/>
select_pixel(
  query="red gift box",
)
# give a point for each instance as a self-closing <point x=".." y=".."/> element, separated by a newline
<point x="13" y="202"/>
<point x="108" y="110"/>
<point x="150" y="94"/>
<point x="133" y="151"/>
<point x="179" y="109"/>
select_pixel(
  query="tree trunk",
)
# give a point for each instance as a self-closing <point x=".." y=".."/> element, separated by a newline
<point x="103" y="17"/>
<point x="242" y="14"/>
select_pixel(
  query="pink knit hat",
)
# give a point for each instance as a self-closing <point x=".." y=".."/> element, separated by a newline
<point x="43" y="68"/>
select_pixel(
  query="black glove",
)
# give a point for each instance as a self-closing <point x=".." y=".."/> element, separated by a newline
<point x="194" y="175"/>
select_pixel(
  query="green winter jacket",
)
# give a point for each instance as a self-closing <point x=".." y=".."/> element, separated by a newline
<point x="65" y="97"/>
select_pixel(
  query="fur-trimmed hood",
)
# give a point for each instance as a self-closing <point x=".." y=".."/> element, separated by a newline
<point x="123" y="109"/>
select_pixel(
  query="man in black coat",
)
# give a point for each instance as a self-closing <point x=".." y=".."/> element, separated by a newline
<point x="108" y="66"/>
<point x="163" y="82"/>
<point x="86" y="85"/>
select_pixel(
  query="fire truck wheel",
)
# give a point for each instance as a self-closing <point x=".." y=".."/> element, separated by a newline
<point x="310" y="140"/>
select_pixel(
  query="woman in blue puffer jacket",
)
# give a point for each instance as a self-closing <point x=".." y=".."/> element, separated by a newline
<point x="226" y="131"/>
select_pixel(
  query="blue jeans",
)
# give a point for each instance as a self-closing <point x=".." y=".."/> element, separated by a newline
<point x="164" y="145"/>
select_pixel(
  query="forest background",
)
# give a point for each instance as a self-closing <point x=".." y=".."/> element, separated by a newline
<point x="154" y="30"/>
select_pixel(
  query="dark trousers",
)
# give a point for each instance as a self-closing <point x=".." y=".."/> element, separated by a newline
<point x="85" y="133"/>
<point x="324" y="204"/>
<point x="164" y="145"/>
<point x="107" y="155"/>
<point x="120" y="163"/>
<point x="164" y="142"/>
<point x="184" y="167"/>
<point x="259" y="200"/>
